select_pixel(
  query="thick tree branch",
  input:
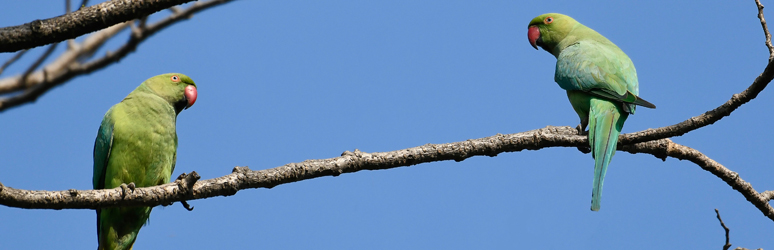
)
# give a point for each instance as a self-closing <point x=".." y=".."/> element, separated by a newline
<point x="69" y="64"/>
<point x="83" y="21"/>
<point x="349" y="162"/>
<point x="243" y="178"/>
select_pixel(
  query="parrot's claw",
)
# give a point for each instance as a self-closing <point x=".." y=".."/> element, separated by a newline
<point x="581" y="129"/>
<point x="186" y="206"/>
<point x="584" y="149"/>
<point x="185" y="183"/>
<point x="125" y="188"/>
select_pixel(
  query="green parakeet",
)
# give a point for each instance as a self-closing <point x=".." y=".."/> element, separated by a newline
<point x="600" y="81"/>
<point x="137" y="143"/>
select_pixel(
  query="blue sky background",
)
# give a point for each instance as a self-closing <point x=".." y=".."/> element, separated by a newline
<point x="286" y="81"/>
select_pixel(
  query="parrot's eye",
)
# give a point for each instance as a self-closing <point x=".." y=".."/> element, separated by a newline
<point x="175" y="78"/>
<point x="548" y="20"/>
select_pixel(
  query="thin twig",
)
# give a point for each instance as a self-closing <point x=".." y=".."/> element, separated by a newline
<point x="765" y="29"/>
<point x="37" y="64"/>
<point x="44" y="56"/>
<point x="12" y="60"/>
<point x="721" y="111"/>
<point x="727" y="245"/>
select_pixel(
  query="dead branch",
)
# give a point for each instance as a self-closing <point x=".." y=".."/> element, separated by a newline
<point x="244" y="178"/>
<point x="765" y="29"/>
<point x="728" y="243"/>
<point x="69" y="64"/>
<point x="83" y="21"/>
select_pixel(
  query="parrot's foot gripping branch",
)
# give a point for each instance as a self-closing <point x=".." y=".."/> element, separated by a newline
<point x="582" y="131"/>
<point x="185" y="183"/>
<point x="125" y="187"/>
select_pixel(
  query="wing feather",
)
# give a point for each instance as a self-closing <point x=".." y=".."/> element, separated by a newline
<point x="602" y="70"/>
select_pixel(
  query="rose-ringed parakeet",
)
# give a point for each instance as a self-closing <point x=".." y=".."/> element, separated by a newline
<point x="600" y="81"/>
<point x="137" y="144"/>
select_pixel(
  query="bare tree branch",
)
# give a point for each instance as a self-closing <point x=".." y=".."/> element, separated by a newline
<point x="243" y="178"/>
<point x="765" y="29"/>
<point x="38" y="62"/>
<point x="83" y="21"/>
<point x="69" y="65"/>
<point x="728" y="244"/>
<point x="349" y="162"/>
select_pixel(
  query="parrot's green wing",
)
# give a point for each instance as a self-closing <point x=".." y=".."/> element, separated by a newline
<point x="627" y="98"/>
<point x="102" y="146"/>
<point x="601" y="70"/>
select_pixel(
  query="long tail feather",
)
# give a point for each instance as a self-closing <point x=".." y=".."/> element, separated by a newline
<point x="605" y="123"/>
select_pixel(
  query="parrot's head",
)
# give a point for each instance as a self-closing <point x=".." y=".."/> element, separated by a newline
<point x="178" y="89"/>
<point x="548" y="30"/>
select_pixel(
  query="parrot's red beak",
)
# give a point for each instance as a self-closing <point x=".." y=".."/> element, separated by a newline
<point x="190" y="95"/>
<point x="533" y="34"/>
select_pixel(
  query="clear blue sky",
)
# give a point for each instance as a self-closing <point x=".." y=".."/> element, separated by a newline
<point x="286" y="81"/>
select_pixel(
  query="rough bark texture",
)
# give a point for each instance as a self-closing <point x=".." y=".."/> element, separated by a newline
<point x="708" y="117"/>
<point x="72" y="62"/>
<point x="72" y="25"/>
<point x="244" y="178"/>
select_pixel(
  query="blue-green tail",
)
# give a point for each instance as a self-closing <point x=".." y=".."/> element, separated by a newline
<point x="606" y="120"/>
